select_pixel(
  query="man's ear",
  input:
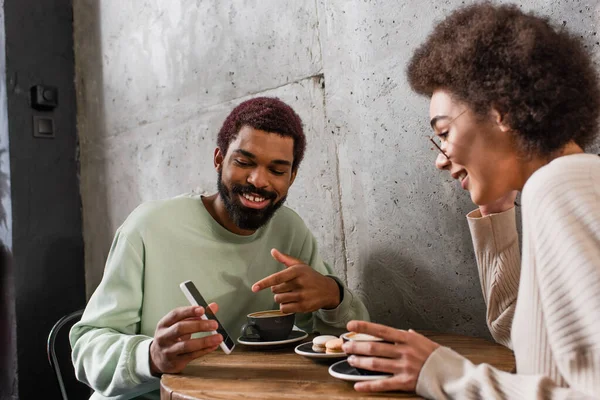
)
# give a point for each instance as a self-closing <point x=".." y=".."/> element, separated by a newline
<point x="293" y="177"/>
<point x="218" y="159"/>
<point x="500" y="120"/>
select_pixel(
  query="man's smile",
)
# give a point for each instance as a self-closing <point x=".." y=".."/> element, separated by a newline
<point x="252" y="200"/>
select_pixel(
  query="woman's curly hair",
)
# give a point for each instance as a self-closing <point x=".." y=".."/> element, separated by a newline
<point x="540" y="79"/>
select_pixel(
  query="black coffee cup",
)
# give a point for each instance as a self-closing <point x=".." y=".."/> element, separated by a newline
<point x="363" y="337"/>
<point x="269" y="326"/>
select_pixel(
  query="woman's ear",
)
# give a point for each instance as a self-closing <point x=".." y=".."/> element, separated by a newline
<point x="500" y="120"/>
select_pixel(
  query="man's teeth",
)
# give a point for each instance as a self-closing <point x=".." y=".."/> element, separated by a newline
<point x="462" y="176"/>
<point x="253" y="198"/>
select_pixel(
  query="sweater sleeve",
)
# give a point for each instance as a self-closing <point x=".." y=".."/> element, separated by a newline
<point x="448" y="375"/>
<point x="496" y="245"/>
<point x="109" y="354"/>
<point x="351" y="307"/>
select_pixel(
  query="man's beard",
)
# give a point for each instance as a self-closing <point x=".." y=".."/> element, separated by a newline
<point x="244" y="217"/>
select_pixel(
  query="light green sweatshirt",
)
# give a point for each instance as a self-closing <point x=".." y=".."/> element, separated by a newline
<point x="162" y="244"/>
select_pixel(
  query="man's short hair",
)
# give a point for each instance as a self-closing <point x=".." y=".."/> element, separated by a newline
<point x="267" y="114"/>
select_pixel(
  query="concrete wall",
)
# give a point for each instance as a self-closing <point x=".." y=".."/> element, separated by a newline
<point x="155" y="80"/>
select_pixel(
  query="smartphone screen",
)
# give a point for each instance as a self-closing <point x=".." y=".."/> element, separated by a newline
<point x="189" y="287"/>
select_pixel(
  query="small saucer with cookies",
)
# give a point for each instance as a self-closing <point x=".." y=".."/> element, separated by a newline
<point x="324" y="346"/>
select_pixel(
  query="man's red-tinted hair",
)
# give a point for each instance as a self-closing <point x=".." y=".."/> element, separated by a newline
<point x="267" y="114"/>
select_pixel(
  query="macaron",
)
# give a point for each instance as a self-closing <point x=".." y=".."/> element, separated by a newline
<point x="320" y="341"/>
<point x="334" y="346"/>
<point x="360" y="337"/>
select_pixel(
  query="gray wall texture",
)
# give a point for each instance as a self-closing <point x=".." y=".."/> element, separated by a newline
<point x="155" y="80"/>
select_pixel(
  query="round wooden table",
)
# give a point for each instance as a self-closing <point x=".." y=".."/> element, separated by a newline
<point x="280" y="373"/>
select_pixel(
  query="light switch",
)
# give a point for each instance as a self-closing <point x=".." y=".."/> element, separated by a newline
<point x="44" y="98"/>
<point x="43" y="127"/>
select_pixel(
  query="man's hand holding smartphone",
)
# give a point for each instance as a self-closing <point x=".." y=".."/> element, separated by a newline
<point x="173" y="348"/>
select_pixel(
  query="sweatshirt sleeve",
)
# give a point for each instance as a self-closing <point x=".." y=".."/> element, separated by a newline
<point x="329" y="321"/>
<point x="109" y="354"/>
<point x="496" y="245"/>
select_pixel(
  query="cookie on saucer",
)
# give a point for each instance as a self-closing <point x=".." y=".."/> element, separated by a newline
<point x="320" y="341"/>
<point x="334" y="346"/>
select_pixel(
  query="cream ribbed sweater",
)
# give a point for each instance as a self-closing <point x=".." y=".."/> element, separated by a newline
<point x="554" y="327"/>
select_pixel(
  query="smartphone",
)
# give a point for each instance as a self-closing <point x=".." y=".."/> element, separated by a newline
<point x="196" y="299"/>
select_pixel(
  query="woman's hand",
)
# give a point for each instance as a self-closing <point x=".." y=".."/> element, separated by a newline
<point x="404" y="358"/>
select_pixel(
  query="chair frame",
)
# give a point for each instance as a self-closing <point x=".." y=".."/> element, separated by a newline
<point x="52" y="359"/>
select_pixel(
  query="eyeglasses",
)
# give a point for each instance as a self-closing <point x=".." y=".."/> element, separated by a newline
<point x="435" y="138"/>
<point x="432" y="138"/>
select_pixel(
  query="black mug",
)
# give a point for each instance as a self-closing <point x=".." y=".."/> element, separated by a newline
<point x="268" y="326"/>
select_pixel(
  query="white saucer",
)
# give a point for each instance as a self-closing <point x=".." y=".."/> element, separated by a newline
<point x="294" y="336"/>
<point x="305" y="349"/>
<point x="344" y="371"/>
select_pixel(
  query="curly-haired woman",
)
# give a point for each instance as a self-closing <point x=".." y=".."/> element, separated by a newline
<point x="514" y="101"/>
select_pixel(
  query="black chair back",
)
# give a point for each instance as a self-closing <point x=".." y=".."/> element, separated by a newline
<point x="58" y="343"/>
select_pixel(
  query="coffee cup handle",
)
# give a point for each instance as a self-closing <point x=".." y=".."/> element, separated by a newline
<point x="250" y="331"/>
